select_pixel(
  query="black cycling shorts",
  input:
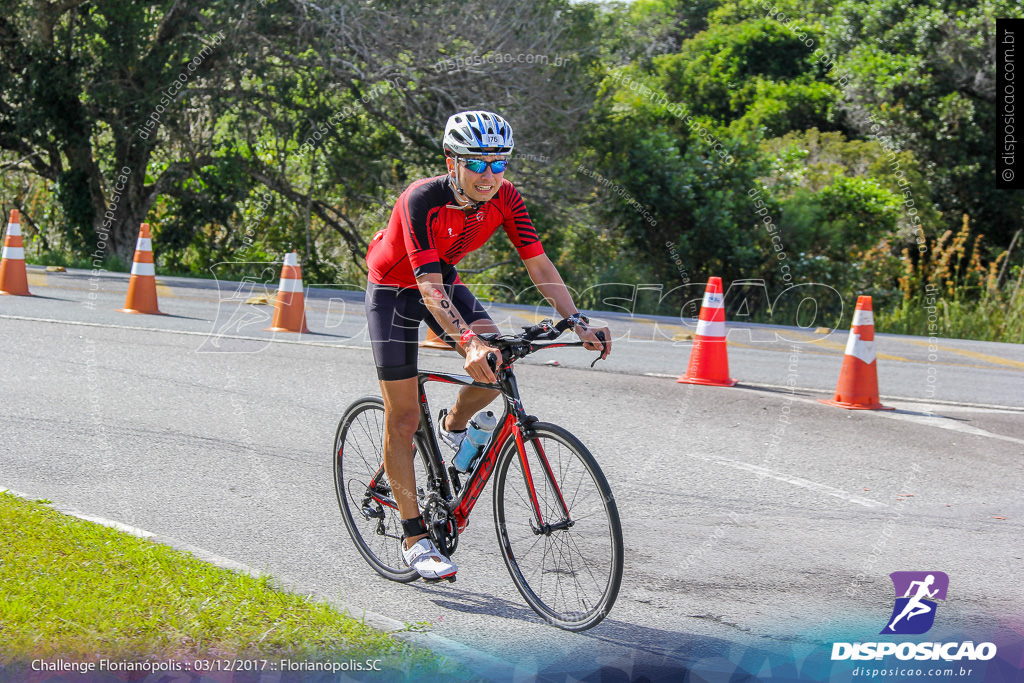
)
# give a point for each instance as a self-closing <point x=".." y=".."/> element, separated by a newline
<point x="393" y="316"/>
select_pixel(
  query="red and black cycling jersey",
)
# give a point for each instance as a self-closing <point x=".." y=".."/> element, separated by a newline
<point x="426" y="233"/>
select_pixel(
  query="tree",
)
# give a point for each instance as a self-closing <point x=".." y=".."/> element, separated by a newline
<point x="370" y="89"/>
<point x="85" y="89"/>
<point x="926" y="78"/>
<point x="190" y="107"/>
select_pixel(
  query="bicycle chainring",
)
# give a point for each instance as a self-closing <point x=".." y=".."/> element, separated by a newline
<point x="440" y="525"/>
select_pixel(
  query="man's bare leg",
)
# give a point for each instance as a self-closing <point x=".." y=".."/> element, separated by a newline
<point x="401" y="419"/>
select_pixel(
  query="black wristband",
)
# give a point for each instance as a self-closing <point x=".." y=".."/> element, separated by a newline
<point x="413" y="527"/>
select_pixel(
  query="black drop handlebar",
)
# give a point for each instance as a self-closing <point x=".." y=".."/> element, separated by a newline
<point x="516" y="346"/>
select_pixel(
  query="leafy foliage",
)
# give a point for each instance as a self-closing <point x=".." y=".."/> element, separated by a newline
<point x="657" y="140"/>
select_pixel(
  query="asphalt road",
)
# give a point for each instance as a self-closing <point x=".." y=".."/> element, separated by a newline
<point x="760" y="525"/>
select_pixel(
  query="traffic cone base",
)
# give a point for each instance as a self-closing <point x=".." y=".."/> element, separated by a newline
<point x="858" y="379"/>
<point x="709" y="365"/>
<point x="13" y="280"/>
<point x="13" y="276"/>
<point x="709" y="359"/>
<point x="143" y="300"/>
<point x="290" y="308"/>
<point x="289" y="314"/>
<point x="707" y="382"/>
<point x="854" y="405"/>
<point x="141" y="297"/>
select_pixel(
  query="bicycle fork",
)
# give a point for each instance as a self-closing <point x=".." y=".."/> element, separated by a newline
<point x="541" y="526"/>
<point x="521" y="424"/>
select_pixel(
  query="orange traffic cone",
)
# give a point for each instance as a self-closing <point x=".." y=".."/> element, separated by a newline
<point x="858" y="379"/>
<point x="709" y="362"/>
<point x="290" y="309"/>
<point x="142" y="284"/>
<point x="434" y="342"/>
<point x="13" y="277"/>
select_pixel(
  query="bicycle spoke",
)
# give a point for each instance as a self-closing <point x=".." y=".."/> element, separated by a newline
<point x="580" y="600"/>
<point x="568" y="575"/>
<point x="586" y="565"/>
<point x="523" y="499"/>
<point x="359" y="476"/>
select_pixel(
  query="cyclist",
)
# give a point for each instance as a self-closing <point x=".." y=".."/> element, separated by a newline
<point x="412" y="278"/>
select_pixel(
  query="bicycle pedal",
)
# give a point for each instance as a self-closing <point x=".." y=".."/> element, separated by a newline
<point x="449" y="579"/>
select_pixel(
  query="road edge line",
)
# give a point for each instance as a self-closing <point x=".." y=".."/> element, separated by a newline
<point x="479" y="662"/>
<point x="918" y="401"/>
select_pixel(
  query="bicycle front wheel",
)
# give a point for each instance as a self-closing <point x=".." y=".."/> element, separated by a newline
<point x="364" y="493"/>
<point x="568" y="567"/>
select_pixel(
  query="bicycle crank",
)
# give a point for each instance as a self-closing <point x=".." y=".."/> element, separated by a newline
<point x="441" y="525"/>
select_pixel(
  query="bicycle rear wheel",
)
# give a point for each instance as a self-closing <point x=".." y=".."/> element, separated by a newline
<point x="570" y="575"/>
<point x="364" y="493"/>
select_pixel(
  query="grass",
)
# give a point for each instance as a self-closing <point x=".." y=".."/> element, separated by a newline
<point x="949" y="292"/>
<point x="58" y="258"/>
<point x="995" y="317"/>
<point x="81" y="591"/>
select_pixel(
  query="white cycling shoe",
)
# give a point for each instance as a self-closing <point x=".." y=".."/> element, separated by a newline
<point x="424" y="557"/>
<point x="452" y="439"/>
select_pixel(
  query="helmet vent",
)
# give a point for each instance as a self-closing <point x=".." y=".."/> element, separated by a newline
<point x="477" y="132"/>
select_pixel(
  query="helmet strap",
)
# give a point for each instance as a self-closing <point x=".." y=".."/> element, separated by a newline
<point x="464" y="202"/>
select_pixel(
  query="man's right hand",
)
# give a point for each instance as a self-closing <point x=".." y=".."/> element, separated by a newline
<point x="477" y="366"/>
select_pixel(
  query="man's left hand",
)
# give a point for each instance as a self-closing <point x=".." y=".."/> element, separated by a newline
<point x="588" y="335"/>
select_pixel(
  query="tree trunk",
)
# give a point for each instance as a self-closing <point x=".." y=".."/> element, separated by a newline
<point x="123" y="207"/>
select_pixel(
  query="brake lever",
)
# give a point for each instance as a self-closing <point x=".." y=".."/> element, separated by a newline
<point x="600" y="336"/>
<point x="545" y="330"/>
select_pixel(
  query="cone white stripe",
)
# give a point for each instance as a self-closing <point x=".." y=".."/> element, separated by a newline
<point x="14" y="229"/>
<point x="860" y="349"/>
<point x="289" y="285"/>
<point x="16" y="253"/>
<point x="142" y="268"/>
<point x="144" y="244"/>
<point x="711" y="328"/>
<point x="713" y="300"/>
<point x="863" y="318"/>
<point x="291" y="259"/>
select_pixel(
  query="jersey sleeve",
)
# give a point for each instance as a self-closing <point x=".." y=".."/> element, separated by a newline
<point x="517" y="223"/>
<point x="414" y="208"/>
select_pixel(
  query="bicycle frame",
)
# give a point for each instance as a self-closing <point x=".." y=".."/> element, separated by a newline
<point x="567" y="588"/>
<point x="515" y="424"/>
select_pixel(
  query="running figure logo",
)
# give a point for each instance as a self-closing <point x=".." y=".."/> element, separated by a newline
<point x="916" y="596"/>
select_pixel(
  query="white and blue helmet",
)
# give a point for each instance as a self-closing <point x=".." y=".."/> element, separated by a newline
<point x="477" y="132"/>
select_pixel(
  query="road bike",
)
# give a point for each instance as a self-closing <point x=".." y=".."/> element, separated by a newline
<point x="556" y="520"/>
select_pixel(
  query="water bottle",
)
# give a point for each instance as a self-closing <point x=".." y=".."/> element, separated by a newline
<point x="477" y="433"/>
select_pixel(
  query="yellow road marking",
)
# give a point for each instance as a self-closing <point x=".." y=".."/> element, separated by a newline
<point x="766" y="347"/>
<point x="660" y="331"/>
<point x="818" y="341"/>
<point x="37" y="279"/>
<point x="823" y="343"/>
<point x="971" y="354"/>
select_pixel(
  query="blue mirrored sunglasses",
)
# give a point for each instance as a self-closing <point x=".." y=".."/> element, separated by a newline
<point x="479" y="166"/>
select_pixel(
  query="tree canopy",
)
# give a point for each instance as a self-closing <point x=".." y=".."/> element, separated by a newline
<point x="647" y="132"/>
